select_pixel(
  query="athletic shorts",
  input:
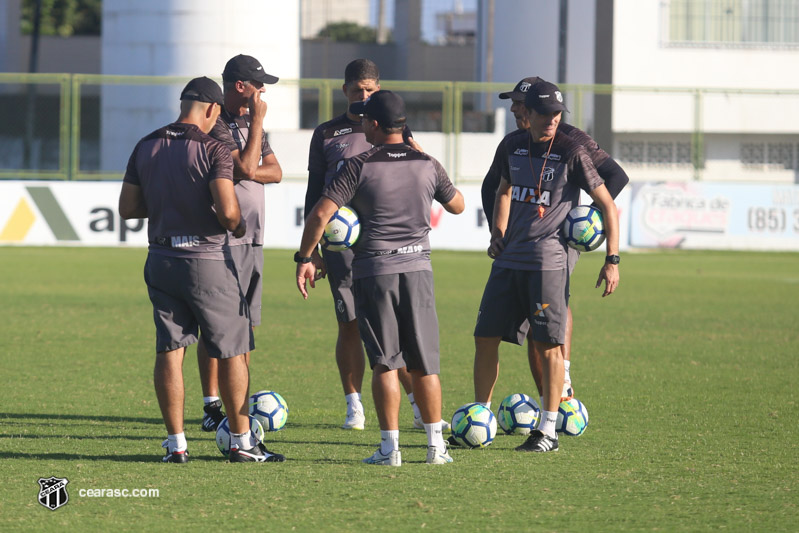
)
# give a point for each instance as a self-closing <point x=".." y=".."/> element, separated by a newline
<point x="397" y="320"/>
<point x="339" y="276"/>
<point x="193" y="296"/>
<point x="512" y="297"/>
<point x="249" y="259"/>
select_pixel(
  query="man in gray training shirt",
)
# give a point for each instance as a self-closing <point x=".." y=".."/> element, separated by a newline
<point x="240" y="128"/>
<point x="391" y="187"/>
<point x="542" y="173"/>
<point x="182" y="181"/>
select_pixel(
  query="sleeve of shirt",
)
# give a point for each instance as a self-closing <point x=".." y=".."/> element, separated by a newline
<point x="344" y="184"/>
<point x="221" y="162"/>
<point x="317" y="168"/>
<point x="488" y="191"/>
<point x="445" y="190"/>
<point x="221" y="133"/>
<point x="582" y="171"/>
<point x="132" y="172"/>
<point x="614" y="176"/>
<point x="265" y="148"/>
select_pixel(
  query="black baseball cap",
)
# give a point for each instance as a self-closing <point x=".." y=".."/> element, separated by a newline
<point x="202" y="90"/>
<point x="544" y="98"/>
<point x="519" y="92"/>
<point x="386" y="107"/>
<point x="246" y="68"/>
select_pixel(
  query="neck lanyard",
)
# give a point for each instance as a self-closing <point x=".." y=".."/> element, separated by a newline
<point x="543" y="167"/>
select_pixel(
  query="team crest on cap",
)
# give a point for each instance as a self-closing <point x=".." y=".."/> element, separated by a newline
<point x="524" y="86"/>
<point x="559" y="96"/>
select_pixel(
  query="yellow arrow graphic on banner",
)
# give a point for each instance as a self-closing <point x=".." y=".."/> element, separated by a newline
<point x="19" y="223"/>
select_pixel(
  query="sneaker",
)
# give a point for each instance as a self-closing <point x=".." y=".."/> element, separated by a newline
<point x="174" y="456"/>
<point x="452" y="441"/>
<point x="418" y="423"/>
<point x="394" y="458"/>
<point x="538" y="442"/>
<point x="355" y="420"/>
<point x="256" y="454"/>
<point x="437" y="457"/>
<point x="213" y="415"/>
<point x="568" y="392"/>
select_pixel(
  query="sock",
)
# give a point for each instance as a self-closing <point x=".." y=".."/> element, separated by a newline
<point x="486" y="404"/>
<point x="434" y="435"/>
<point x="209" y="399"/>
<point x="177" y="442"/>
<point x="547" y="424"/>
<point x="566" y="376"/>
<point x="244" y="441"/>
<point x="416" y="412"/>
<point x="354" y="402"/>
<point x="389" y="441"/>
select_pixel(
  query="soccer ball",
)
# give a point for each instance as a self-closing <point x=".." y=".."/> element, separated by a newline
<point x="342" y="230"/>
<point x="270" y="409"/>
<point x="518" y="413"/>
<point x="474" y="425"/>
<point x="223" y="434"/>
<point x="572" y="418"/>
<point x="583" y="228"/>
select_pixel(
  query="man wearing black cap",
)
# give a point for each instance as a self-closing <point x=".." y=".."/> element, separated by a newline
<point x="391" y="187"/>
<point x="182" y="181"/>
<point x="542" y="172"/>
<point x="240" y="128"/>
<point x="333" y="142"/>
<point x="615" y="180"/>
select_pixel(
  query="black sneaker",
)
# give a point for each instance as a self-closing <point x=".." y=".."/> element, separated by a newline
<point x="451" y="441"/>
<point x="538" y="442"/>
<point x="174" y="457"/>
<point x="213" y="415"/>
<point x="257" y="454"/>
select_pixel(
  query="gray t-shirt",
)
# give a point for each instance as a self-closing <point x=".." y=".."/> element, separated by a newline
<point x="392" y="188"/>
<point x="233" y="131"/>
<point x="174" y="166"/>
<point x="533" y="242"/>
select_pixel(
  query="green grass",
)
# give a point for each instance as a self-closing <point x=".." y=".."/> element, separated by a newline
<point x="689" y="373"/>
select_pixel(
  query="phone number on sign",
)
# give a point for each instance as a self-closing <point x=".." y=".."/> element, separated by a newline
<point x="773" y="219"/>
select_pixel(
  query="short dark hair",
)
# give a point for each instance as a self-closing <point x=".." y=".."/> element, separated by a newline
<point x="361" y="69"/>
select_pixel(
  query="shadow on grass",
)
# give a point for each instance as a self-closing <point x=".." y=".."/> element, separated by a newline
<point x="96" y="418"/>
<point x="140" y="458"/>
<point x="76" y="437"/>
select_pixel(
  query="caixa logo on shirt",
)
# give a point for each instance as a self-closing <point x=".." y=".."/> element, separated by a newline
<point x="528" y="195"/>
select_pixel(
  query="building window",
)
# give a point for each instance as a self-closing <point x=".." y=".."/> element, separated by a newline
<point x="733" y="22"/>
<point x="655" y="153"/>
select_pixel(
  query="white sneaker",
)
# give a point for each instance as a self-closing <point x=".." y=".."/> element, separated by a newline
<point x="355" y="420"/>
<point x="394" y="458"/>
<point x="437" y="457"/>
<point x="418" y="423"/>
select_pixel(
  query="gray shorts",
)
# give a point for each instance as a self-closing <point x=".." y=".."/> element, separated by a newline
<point x="339" y="276"/>
<point x="249" y="260"/>
<point x="190" y="296"/>
<point x="512" y="297"/>
<point x="397" y="320"/>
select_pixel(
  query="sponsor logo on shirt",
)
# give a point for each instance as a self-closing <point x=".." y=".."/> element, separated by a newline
<point x="514" y="168"/>
<point x="397" y="155"/>
<point x="173" y="133"/>
<point x="520" y="151"/>
<point x="184" y="241"/>
<point x="232" y="125"/>
<point x="342" y="146"/>
<point x="552" y="157"/>
<point x="342" y="131"/>
<point x="527" y="195"/>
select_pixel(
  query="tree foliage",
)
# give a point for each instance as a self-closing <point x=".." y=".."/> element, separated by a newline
<point x="348" y="32"/>
<point x="63" y="17"/>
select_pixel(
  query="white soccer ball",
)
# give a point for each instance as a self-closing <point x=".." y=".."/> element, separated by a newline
<point x="518" y="413"/>
<point x="223" y="434"/>
<point x="342" y="231"/>
<point x="474" y="425"/>
<point x="270" y="409"/>
<point x="572" y="418"/>
<point x="583" y="228"/>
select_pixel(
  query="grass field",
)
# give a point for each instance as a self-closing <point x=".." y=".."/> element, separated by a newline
<point x="689" y="373"/>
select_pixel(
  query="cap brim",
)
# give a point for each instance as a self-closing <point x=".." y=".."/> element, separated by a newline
<point x="358" y="108"/>
<point x="546" y="109"/>
<point x="512" y="95"/>
<point x="267" y="79"/>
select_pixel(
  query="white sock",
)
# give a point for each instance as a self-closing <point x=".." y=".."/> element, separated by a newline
<point x="434" y="435"/>
<point x="416" y="412"/>
<point x="566" y="376"/>
<point x="389" y="441"/>
<point x="177" y="442"/>
<point x="547" y="424"/>
<point x="354" y="402"/>
<point x="209" y="399"/>
<point x="244" y="441"/>
<point x="487" y="405"/>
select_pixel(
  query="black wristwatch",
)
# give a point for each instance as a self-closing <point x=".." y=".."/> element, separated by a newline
<point x="612" y="259"/>
<point x="303" y="260"/>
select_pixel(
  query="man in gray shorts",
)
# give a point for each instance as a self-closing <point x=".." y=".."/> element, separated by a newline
<point x="392" y="273"/>
<point x="182" y="181"/>
<point x="542" y="173"/>
<point x="240" y="128"/>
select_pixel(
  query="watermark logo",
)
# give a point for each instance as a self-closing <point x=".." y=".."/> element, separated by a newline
<point x="53" y="492"/>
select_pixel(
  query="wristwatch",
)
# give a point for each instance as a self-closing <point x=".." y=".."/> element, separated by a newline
<point x="299" y="259"/>
<point x="612" y="259"/>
